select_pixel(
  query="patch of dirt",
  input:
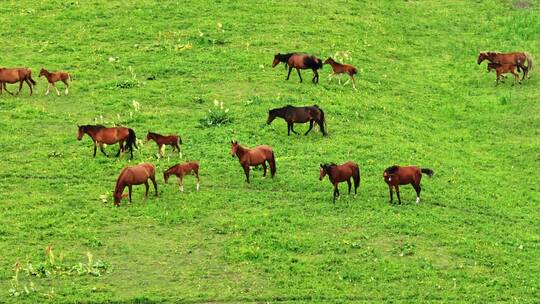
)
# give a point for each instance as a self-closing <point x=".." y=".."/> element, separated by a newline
<point x="522" y="4"/>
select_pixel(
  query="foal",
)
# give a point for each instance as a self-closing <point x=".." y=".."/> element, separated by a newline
<point x="396" y="175"/>
<point x="181" y="170"/>
<point x="259" y="155"/>
<point x="341" y="173"/>
<point x="161" y="141"/>
<point x="501" y="69"/>
<point x="53" y="77"/>
<point x="338" y="68"/>
<point x="293" y="115"/>
<point x="136" y="175"/>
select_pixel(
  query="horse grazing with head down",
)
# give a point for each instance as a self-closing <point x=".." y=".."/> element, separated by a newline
<point x="341" y="173"/>
<point x="161" y="140"/>
<point x="293" y="115"/>
<point x="181" y="170"/>
<point x="339" y="68"/>
<point x="501" y="69"/>
<point x="299" y="61"/>
<point x="102" y="135"/>
<point x="396" y="175"/>
<point x="516" y="58"/>
<point x="14" y="75"/>
<point x="53" y="77"/>
<point x="135" y="175"/>
<point x="260" y="155"/>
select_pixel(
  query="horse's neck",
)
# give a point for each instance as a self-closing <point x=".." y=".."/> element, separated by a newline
<point x="120" y="183"/>
<point x="47" y="73"/>
<point x="241" y="151"/>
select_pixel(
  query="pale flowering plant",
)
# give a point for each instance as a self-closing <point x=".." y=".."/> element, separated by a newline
<point x="216" y="116"/>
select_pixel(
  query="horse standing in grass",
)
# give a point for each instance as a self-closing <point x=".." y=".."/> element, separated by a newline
<point x="516" y="58"/>
<point x="14" y="75"/>
<point x="501" y="69"/>
<point x="53" y="77"/>
<point x="396" y="175"/>
<point x="102" y="135"/>
<point x="173" y="140"/>
<point x="181" y="170"/>
<point x="339" y="68"/>
<point x="259" y="155"/>
<point x="135" y="175"/>
<point x="299" y="61"/>
<point x="293" y="115"/>
<point x="341" y="173"/>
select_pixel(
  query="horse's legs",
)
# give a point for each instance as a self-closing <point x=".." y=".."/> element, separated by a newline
<point x="349" y="184"/>
<point x="516" y="77"/>
<point x="196" y="173"/>
<point x="67" y="86"/>
<point x="289" y="74"/>
<point x="264" y="168"/>
<point x="129" y="189"/>
<point x="315" y="77"/>
<point x="391" y="194"/>
<point x="353" y="82"/>
<point x="20" y="87"/>
<point x="119" y="149"/>
<point x="160" y="150"/>
<point x="498" y="77"/>
<point x="299" y="75"/>
<point x="147" y="187"/>
<point x="48" y="89"/>
<point x="417" y="188"/>
<point x="29" y="86"/>
<point x="102" y="151"/>
<point x="246" y="172"/>
<point x="95" y="149"/>
<point x="397" y="192"/>
<point x="310" y="127"/>
<point x="289" y="125"/>
<point x="153" y="179"/>
<point x="180" y="183"/>
<point x="54" y="86"/>
<point x="5" y="89"/>
<point x="292" y="128"/>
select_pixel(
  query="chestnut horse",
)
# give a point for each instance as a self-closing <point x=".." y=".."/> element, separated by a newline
<point x="341" y="173"/>
<point x="292" y="115"/>
<point x="53" y="77"/>
<point x="502" y="69"/>
<point x="181" y="170"/>
<point x="102" y="135"/>
<point x="14" y="75"/>
<point x="339" y="68"/>
<point x="259" y="155"/>
<point x="396" y="175"/>
<point x="299" y="61"/>
<point x="161" y="141"/>
<point x="517" y="58"/>
<point x="135" y="175"/>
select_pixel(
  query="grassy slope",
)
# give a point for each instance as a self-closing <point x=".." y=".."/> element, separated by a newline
<point x="422" y="100"/>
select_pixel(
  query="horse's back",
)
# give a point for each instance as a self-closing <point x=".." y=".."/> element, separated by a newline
<point x="143" y="171"/>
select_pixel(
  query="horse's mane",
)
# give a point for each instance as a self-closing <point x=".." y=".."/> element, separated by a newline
<point x="154" y="134"/>
<point x="116" y="189"/>
<point x="330" y="165"/>
<point x="392" y="169"/>
<point x="93" y="127"/>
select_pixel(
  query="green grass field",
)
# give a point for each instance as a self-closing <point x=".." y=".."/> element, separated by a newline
<point x="422" y="100"/>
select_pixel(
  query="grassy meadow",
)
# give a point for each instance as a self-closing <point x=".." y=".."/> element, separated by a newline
<point x="421" y="100"/>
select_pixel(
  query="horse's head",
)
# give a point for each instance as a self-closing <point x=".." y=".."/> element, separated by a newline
<point x="117" y="198"/>
<point x="276" y="60"/>
<point x="388" y="174"/>
<point x="234" y="148"/>
<point x="148" y="136"/>
<point x="482" y="56"/>
<point x="271" y="116"/>
<point x="80" y="134"/>
<point x="322" y="172"/>
<point x="42" y="72"/>
<point x="329" y="60"/>
<point x="166" y="177"/>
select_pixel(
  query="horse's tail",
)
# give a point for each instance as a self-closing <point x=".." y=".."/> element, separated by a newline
<point x="272" y="162"/>
<point x="356" y="177"/>
<point x="427" y="171"/>
<point x="30" y="77"/>
<point x="322" y="123"/>
<point x="131" y="141"/>
<point x="529" y="60"/>
<point x="179" y="141"/>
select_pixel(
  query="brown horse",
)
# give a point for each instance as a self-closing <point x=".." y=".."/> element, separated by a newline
<point x="135" y="175"/>
<point x="259" y="155"/>
<point x="339" y="68"/>
<point x="396" y="175"/>
<point x="102" y="135"/>
<point x="53" y="77"/>
<point x="161" y="141"/>
<point x="502" y="69"/>
<point x="516" y="58"/>
<point x="292" y="115"/>
<point x="341" y="173"/>
<point x="299" y="61"/>
<point x="14" y="75"/>
<point x="181" y="170"/>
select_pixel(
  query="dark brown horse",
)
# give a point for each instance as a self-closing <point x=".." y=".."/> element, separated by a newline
<point x="136" y="175"/>
<point x="102" y="135"/>
<point x="299" y="61"/>
<point x="503" y="69"/>
<point x="14" y="75"/>
<point x="339" y="68"/>
<point x="396" y="175"/>
<point x="341" y="173"/>
<point x="293" y="115"/>
<point x="181" y="170"/>
<point x="161" y="141"/>
<point x="259" y="155"/>
<point x="53" y="77"/>
<point x="516" y="58"/>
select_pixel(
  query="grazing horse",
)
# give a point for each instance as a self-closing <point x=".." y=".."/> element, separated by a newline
<point x="259" y="155"/>
<point x="299" y="61"/>
<point x="172" y="140"/>
<point x="502" y="69"/>
<point x="14" y="75"/>
<point x="396" y="175"/>
<point x="102" y="135"/>
<point x="339" y="68"/>
<point x="135" y="175"/>
<point x="181" y="170"/>
<point x="516" y="58"/>
<point x="53" y="77"/>
<point x="292" y="115"/>
<point x="341" y="173"/>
